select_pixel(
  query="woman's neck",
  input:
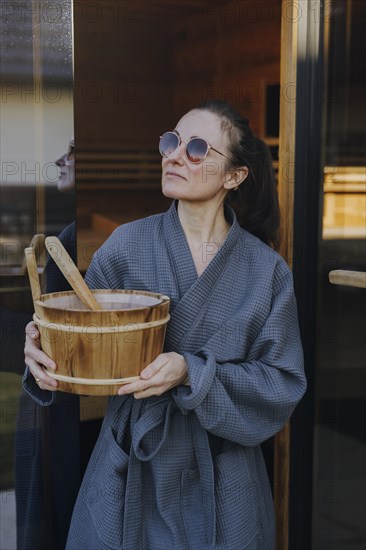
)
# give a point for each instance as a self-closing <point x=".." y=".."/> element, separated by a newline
<point x="203" y="224"/>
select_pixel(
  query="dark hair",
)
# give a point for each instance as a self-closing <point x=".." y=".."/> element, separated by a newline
<point x="256" y="200"/>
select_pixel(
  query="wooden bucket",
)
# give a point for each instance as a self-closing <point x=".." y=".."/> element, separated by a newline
<point x="98" y="351"/>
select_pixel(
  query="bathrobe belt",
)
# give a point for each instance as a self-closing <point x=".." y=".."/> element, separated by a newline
<point x="143" y="419"/>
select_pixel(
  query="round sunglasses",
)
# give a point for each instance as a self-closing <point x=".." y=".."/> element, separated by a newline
<point x="196" y="148"/>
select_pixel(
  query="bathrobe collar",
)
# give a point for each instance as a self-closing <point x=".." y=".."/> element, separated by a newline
<point x="194" y="290"/>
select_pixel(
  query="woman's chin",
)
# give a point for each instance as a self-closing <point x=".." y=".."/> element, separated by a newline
<point x="171" y="191"/>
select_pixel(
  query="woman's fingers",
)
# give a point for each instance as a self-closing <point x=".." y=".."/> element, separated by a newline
<point x="141" y="386"/>
<point x="150" y="379"/>
<point x="34" y="354"/>
<point x="35" y="359"/>
<point x="31" y="331"/>
<point x="154" y="367"/>
<point x="146" y="393"/>
<point x="44" y="381"/>
<point x="164" y="373"/>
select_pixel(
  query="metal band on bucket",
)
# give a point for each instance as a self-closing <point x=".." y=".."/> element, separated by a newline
<point x="91" y="381"/>
<point x="130" y="327"/>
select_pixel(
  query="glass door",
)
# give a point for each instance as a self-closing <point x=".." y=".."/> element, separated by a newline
<point x="37" y="197"/>
<point x="339" y="480"/>
<point x="327" y="497"/>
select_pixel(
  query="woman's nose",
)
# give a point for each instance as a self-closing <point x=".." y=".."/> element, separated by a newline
<point x="61" y="161"/>
<point x="178" y="153"/>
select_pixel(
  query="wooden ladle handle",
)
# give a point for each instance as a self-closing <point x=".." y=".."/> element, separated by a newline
<point x="59" y="254"/>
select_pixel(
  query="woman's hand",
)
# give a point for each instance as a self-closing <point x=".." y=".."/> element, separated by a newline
<point x="165" y="372"/>
<point x="35" y="359"/>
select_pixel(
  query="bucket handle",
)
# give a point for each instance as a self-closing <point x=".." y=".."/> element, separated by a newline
<point x="37" y="243"/>
<point x="30" y="259"/>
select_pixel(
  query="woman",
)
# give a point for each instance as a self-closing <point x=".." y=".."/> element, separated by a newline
<point x="178" y="462"/>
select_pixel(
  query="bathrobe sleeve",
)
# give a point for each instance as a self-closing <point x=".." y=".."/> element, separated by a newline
<point x="247" y="402"/>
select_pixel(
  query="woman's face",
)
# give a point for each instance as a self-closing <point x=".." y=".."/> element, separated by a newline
<point x="66" y="178"/>
<point x="197" y="182"/>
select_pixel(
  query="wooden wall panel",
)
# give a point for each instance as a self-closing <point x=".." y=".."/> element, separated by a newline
<point x="229" y="53"/>
<point x="123" y="76"/>
<point x="137" y="72"/>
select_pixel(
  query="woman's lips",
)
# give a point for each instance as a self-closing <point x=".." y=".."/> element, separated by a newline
<point x="174" y="174"/>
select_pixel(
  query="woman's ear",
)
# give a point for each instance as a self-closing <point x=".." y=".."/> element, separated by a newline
<point x="235" y="177"/>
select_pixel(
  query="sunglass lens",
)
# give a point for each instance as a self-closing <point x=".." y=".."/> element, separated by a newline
<point x="168" y="143"/>
<point x="197" y="149"/>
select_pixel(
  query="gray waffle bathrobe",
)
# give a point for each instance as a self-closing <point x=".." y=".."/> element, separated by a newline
<point x="185" y="470"/>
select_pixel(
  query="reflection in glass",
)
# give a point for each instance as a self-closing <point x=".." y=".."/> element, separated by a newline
<point x="36" y="128"/>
